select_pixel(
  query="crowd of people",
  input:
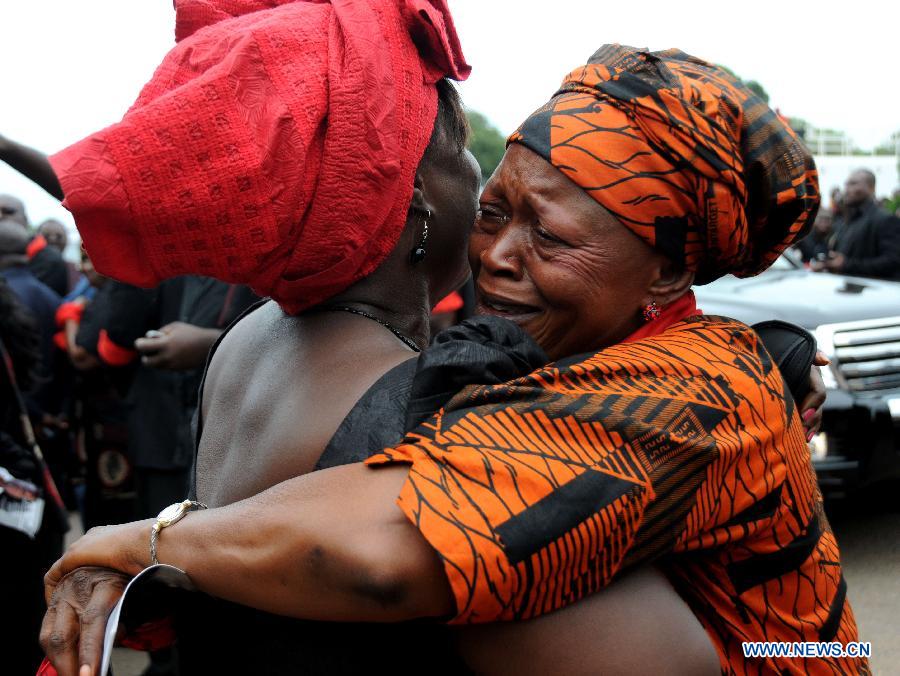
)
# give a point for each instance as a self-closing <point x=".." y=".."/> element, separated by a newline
<point x="857" y="234"/>
<point x="115" y="387"/>
<point x="274" y="236"/>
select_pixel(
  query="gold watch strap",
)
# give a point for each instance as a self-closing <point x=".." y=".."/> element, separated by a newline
<point x="169" y="517"/>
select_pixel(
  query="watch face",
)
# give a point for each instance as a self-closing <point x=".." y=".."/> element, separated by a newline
<point x="171" y="513"/>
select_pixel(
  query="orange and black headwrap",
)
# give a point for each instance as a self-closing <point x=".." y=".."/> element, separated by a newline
<point x="683" y="154"/>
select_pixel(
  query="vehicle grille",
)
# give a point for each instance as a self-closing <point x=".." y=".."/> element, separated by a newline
<point x="865" y="354"/>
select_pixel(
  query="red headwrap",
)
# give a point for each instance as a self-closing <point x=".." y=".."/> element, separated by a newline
<point x="275" y="146"/>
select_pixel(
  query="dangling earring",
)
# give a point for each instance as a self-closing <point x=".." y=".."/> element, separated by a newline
<point x="417" y="255"/>
<point x="651" y="312"/>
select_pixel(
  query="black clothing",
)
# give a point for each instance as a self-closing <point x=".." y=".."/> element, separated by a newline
<point x="869" y="238"/>
<point x="160" y="404"/>
<point x="99" y="420"/>
<point x="813" y="247"/>
<point x="49" y="266"/>
<point x="50" y="394"/>
<point x="23" y="561"/>
<point x="41" y="301"/>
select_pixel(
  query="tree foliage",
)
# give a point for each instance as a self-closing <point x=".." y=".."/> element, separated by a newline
<point x="757" y="89"/>
<point x="752" y="85"/>
<point x="486" y="143"/>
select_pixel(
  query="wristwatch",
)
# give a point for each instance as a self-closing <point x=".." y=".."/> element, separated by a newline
<point x="169" y="516"/>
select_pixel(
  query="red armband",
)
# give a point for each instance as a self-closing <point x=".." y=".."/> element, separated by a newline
<point x="113" y="354"/>
<point x="71" y="311"/>
<point x="35" y="246"/>
<point x="59" y="339"/>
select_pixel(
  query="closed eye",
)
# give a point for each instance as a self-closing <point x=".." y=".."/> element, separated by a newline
<point x="546" y="235"/>
<point x="490" y="213"/>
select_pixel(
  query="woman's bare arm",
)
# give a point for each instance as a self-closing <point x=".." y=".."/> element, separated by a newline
<point x="637" y="625"/>
<point x="330" y="545"/>
<point x="32" y="164"/>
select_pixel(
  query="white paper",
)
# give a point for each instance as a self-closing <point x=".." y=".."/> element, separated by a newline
<point x="22" y="515"/>
<point x="161" y="574"/>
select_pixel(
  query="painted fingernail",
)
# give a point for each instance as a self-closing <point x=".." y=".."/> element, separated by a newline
<point x="809" y="436"/>
<point x="808" y="414"/>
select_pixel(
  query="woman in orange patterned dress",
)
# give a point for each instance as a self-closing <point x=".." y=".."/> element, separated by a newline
<point x="656" y="434"/>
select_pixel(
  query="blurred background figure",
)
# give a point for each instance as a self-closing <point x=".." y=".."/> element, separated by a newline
<point x="12" y="209"/>
<point x="54" y="232"/>
<point x="866" y="239"/>
<point x="23" y="559"/>
<point x="837" y="202"/>
<point x="45" y="261"/>
<point x="39" y="299"/>
<point x="814" y="247"/>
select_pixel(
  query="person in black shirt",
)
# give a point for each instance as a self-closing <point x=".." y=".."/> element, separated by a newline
<point x="23" y="560"/>
<point x="45" y="262"/>
<point x="815" y="245"/>
<point x="866" y="238"/>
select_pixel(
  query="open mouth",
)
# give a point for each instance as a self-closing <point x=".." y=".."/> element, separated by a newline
<point x="501" y="307"/>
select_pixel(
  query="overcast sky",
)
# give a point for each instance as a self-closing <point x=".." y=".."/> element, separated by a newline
<point x="70" y="67"/>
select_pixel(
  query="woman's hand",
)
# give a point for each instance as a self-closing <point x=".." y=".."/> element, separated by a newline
<point x="124" y="548"/>
<point x="811" y="406"/>
<point x="75" y="624"/>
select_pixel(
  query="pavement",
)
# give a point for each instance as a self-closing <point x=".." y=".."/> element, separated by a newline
<point x="869" y="538"/>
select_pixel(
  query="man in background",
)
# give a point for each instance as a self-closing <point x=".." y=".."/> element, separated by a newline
<point x="54" y="232"/>
<point x="27" y="324"/>
<point x="40" y="301"/>
<point x="866" y="238"/>
<point x="44" y="261"/>
<point x="815" y="246"/>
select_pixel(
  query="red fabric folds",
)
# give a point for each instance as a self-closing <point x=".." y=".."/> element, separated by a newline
<point x="275" y="146"/>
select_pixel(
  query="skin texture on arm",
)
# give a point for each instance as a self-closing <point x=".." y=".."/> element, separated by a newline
<point x="302" y="549"/>
<point x="32" y="164"/>
<point x="354" y="560"/>
<point x="637" y="626"/>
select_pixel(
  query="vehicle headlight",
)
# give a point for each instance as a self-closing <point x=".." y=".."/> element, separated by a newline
<point x="818" y="446"/>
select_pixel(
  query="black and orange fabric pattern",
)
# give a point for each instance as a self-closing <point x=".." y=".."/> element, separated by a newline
<point x="682" y="449"/>
<point x="683" y="154"/>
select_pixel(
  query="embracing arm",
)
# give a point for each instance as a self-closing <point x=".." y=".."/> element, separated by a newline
<point x="32" y="164"/>
<point x="331" y="545"/>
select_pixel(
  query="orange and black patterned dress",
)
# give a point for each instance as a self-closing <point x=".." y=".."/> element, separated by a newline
<point x="684" y="449"/>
